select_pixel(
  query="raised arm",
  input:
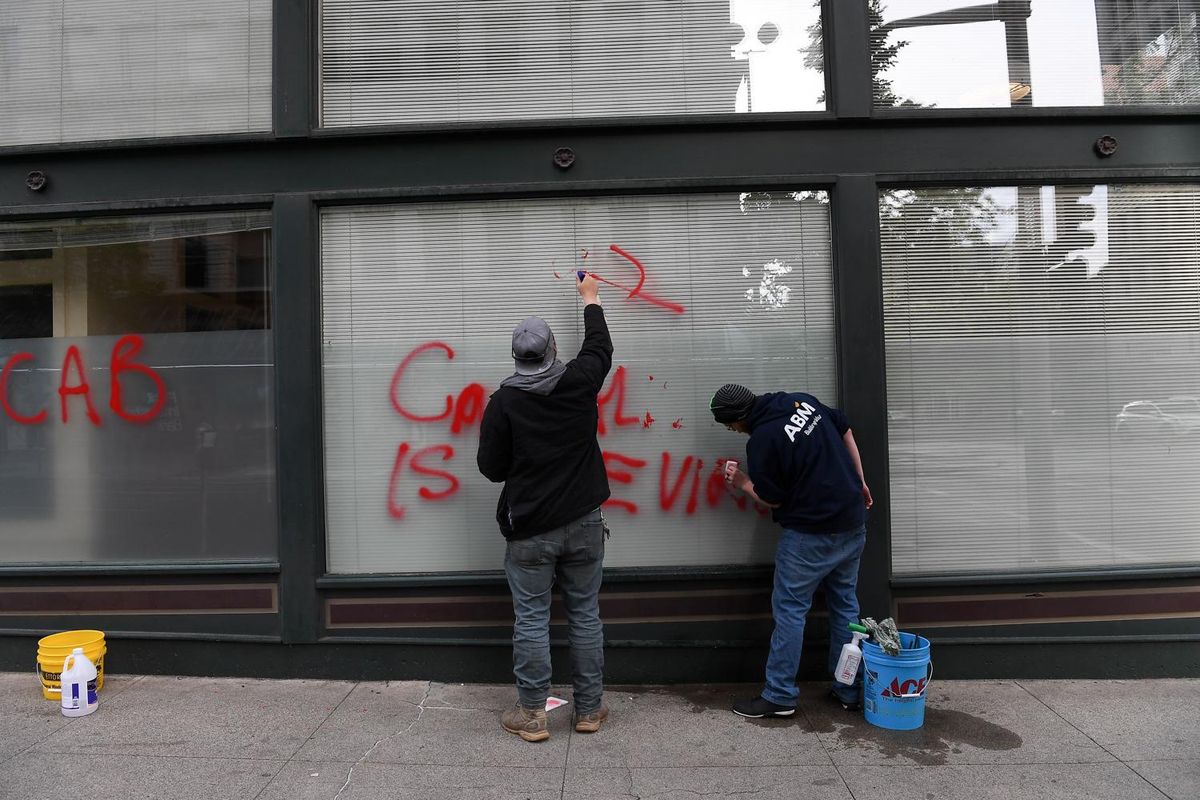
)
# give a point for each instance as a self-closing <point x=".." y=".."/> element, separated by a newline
<point x="595" y="354"/>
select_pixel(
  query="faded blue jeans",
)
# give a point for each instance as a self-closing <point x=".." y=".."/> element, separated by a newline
<point x="804" y="561"/>
<point x="574" y="555"/>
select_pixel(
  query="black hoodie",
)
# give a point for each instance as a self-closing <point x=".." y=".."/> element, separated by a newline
<point x="797" y="458"/>
<point x="543" y="446"/>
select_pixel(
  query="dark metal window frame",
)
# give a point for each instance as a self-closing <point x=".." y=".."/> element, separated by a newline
<point x="851" y="149"/>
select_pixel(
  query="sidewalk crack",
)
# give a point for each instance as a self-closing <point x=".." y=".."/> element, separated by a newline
<point x="827" y="752"/>
<point x="420" y="713"/>
<point x="65" y="721"/>
<point x="300" y="747"/>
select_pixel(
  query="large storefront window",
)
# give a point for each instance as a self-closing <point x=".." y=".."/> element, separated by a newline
<point x="964" y="54"/>
<point x="418" y="306"/>
<point x="1043" y="368"/>
<point x="438" y="61"/>
<point x="136" y="408"/>
<point x="84" y="70"/>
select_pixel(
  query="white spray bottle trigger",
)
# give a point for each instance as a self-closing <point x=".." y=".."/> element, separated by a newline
<point x="848" y="662"/>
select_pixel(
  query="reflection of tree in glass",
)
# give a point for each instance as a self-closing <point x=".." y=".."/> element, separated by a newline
<point x="957" y="217"/>
<point x="965" y="216"/>
<point x="883" y="57"/>
<point x="1162" y="70"/>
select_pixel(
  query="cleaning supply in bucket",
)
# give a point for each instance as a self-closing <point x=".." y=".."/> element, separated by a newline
<point x="78" y="685"/>
<point x="847" y="666"/>
<point x="884" y="634"/>
<point x="894" y="686"/>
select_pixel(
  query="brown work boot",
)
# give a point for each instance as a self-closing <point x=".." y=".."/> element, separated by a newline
<point x="528" y="723"/>
<point x="591" y="722"/>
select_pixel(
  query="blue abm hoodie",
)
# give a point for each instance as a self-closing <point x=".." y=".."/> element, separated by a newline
<point x="798" y="459"/>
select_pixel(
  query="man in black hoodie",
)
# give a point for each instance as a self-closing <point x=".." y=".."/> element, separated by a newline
<point x="538" y="436"/>
<point x="802" y="462"/>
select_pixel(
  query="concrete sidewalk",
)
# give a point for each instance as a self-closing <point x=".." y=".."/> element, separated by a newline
<point x="210" y="739"/>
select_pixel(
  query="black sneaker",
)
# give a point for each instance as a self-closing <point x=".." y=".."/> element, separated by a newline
<point x="759" y="707"/>
<point x="855" y="705"/>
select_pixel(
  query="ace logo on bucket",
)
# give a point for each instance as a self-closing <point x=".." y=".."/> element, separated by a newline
<point x="900" y="690"/>
<point x="908" y="690"/>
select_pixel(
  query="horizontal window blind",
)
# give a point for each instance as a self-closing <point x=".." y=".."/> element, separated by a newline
<point x="963" y="54"/>
<point x="437" y="61"/>
<point x="83" y="70"/>
<point x="1043" y="376"/>
<point x="418" y="306"/>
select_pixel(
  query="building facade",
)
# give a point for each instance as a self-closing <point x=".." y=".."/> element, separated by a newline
<point x="259" y="262"/>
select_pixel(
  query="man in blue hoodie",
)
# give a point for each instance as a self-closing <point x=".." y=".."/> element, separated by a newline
<point x="803" y="463"/>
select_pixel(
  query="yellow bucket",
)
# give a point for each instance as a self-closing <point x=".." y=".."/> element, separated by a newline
<point x="53" y="651"/>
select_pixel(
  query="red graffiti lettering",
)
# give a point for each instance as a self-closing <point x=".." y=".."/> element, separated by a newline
<point x="636" y="291"/>
<point x="715" y="488"/>
<point x="648" y="421"/>
<point x="615" y="388"/>
<point x="64" y="391"/>
<point x="677" y="424"/>
<point x="123" y="362"/>
<point x="451" y="482"/>
<point x="395" y="509"/>
<point x="468" y="408"/>
<point x="398" y="375"/>
<point x="621" y="476"/>
<point x="13" y="360"/>
<point x="667" y="497"/>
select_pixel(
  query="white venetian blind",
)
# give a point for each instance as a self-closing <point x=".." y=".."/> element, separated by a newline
<point x="84" y="70"/>
<point x="736" y="288"/>
<point x="437" y="61"/>
<point x="1043" y="379"/>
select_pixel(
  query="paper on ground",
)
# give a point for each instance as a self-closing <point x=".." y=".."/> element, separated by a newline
<point x="554" y="702"/>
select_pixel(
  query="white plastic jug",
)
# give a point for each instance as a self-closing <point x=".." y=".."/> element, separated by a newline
<point x="78" y="685"/>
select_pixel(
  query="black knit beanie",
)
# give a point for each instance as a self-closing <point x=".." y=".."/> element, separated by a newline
<point x="732" y="402"/>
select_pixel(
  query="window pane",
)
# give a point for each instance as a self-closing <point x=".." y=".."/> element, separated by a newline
<point x="137" y="419"/>
<point x="469" y="60"/>
<point x="80" y="70"/>
<point x="1043" y="367"/>
<point x="419" y="302"/>
<point x="962" y="54"/>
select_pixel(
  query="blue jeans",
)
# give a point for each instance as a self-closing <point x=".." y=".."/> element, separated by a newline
<point x="574" y="554"/>
<point x="804" y="561"/>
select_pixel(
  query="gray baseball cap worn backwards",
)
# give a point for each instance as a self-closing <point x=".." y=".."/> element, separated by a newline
<point x="533" y="346"/>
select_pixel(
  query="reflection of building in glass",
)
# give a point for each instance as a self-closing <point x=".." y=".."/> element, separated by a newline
<point x="1036" y="52"/>
<point x="774" y="40"/>
<point x="1149" y="50"/>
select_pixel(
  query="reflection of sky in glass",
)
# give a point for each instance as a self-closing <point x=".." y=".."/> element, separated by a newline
<point x="778" y="79"/>
<point x="966" y="66"/>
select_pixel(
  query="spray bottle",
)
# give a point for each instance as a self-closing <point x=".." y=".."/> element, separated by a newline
<point x="847" y="667"/>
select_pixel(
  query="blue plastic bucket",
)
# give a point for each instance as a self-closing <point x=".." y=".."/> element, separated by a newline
<point x="894" y="686"/>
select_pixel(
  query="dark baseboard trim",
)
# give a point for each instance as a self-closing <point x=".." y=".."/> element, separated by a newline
<point x="492" y="663"/>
